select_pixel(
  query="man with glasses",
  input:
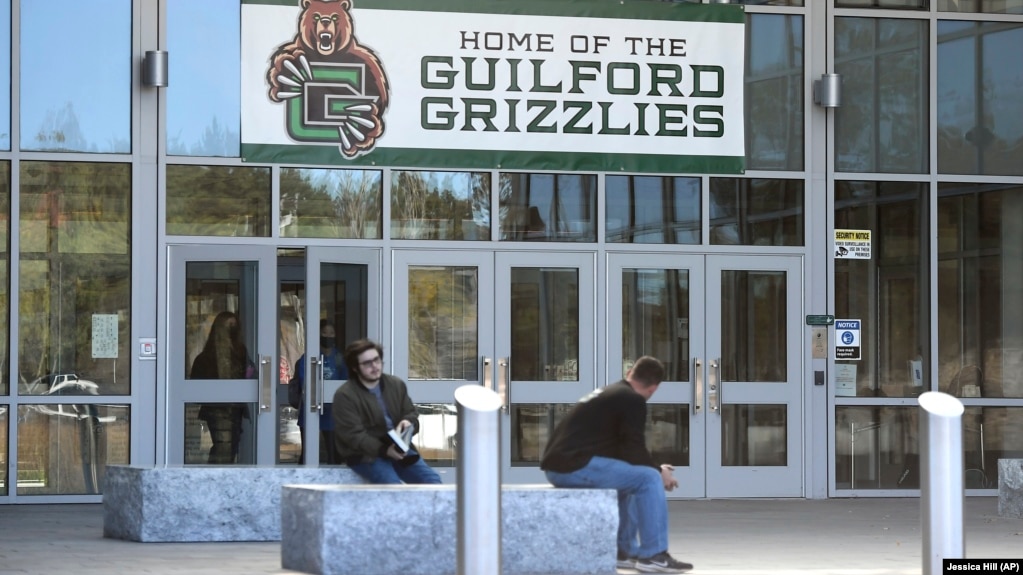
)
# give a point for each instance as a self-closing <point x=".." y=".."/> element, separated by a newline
<point x="366" y="407"/>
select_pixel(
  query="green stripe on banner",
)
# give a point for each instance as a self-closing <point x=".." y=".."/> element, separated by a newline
<point x="490" y="160"/>
<point x="633" y="10"/>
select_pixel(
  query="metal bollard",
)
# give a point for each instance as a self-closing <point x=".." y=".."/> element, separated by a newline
<point x="941" y="485"/>
<point x="479" y="480"/>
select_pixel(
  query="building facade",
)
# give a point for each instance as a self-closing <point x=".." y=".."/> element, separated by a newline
<point x="866" y="248"/>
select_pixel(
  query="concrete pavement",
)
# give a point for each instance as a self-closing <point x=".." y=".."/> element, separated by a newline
<point x="735" y="537"/>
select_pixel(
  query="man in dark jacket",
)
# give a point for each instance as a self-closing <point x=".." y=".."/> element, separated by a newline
<point x="366" y="407"/>
<point x="601" y="444"/>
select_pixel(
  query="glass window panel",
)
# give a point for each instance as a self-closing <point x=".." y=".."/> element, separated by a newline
<point x="5" y="268"/>
<point x="220" y="433"/>
<point x="74" y="316"/>
<point x="756" y="212"/>
<point x="443" y="308"/>
<point x="753" y="326"/>
<point x="220" y="319"/>
<point x="980" y="129"/>
<point x="63" y="73"/>
<point x="548" y="207"/>
<point x="220" y="328"/>
<point x="896" y="4"/>
<point x="990" y="434"/>
<point x="652" y="209"/>
<point x="438" y="427"/>
<point x="877" y="447"/>
<point x="988" y="6"/>
<point x="882" y="124"/>
<point x="754" y="435"/>
<point x="203" y="108"/>
<point x="774" y="92"/>
<point x="980" y="285"/>
<point x="889" y="291"/>
<point x="655" y="319"/>
<point x="64" y="449"/>
<point x="5" y="75"/>
<point x="218" y="201"/>
<point x="767" y="2"/>
<point x="440" y="205"/>
<point x="545" y="333"/>
<point x="667" y="431"/>
<point x="331" y="203"/>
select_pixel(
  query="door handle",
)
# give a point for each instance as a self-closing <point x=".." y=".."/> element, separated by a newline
<point x="697" y="385"/>
<point x="264" y="383"/>
<point x="713" y="385"/>
<point x="312" y="385"/>
<point x="503" y="388"/>
<point x="320" y="395"/>
<point x="487" y="377"/>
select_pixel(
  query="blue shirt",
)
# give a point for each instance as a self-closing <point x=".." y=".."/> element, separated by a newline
<point x="333" y="368"/>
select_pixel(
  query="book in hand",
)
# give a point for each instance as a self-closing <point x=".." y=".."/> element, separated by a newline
<point x="402" y="439"/>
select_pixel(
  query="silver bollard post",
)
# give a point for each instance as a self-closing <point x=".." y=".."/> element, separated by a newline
<point x="479" y="480"/>
<point x="941" y="485"/>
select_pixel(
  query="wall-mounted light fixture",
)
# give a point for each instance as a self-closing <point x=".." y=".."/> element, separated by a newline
<point x="827" y="92"/>
<point x="154" y="69"/>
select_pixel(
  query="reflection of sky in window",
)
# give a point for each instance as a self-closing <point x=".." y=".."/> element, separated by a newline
<point x="76" y="75"/>
<point x="1001" y="77"/>
<point x="5" y="75"/>
<point x="204" y="73"/>
<point x="776" y="43"/>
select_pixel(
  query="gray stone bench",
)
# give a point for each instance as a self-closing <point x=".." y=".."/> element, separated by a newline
<point x="1010" y="488"/>
<point x="412" y="530"/>
<point x="203" y="503"/>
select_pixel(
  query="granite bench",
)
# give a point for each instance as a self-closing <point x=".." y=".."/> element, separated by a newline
<point x="412" y="530"/>
<point x="203" y="503"/>
<point x="1010" y="488"/>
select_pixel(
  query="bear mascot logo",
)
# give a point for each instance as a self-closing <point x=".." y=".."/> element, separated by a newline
<point x="334" y="88"/>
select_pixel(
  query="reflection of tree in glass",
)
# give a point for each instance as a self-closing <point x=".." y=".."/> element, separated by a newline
<point x="61" y="131"/>
<point x="437" y="205"/>
<point x="218" y="201"/>
<point x="331" y="203"/>
<point x="217" y="139"/>
<point x="75" y="253"/>
<point x="443" y="324"/>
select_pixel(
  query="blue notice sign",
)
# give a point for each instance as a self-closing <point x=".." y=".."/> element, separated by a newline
<point x="847" y="339"/>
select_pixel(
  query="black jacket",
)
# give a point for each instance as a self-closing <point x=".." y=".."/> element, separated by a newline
<point x="609" y="422"/>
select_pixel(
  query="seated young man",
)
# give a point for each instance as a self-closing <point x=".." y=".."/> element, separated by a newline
<point x="366" y="407"/>
<point x="601" y="443"/>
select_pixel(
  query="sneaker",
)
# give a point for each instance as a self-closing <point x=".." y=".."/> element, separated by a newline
<point x="625" y="562"/>
<point x="662" y="563"/>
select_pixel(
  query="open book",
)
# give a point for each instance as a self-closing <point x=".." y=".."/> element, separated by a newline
<point x="402" y="439"/>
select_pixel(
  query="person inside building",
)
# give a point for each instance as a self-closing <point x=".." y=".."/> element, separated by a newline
<point x="366" y="407"/>
<point x="223" y="357"/>
<point x="333" y="368"/>
<point x="601" y="443"/>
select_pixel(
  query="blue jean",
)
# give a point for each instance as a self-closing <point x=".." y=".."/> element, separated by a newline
<point x="384" y="470"/>
<point x="642" y="506"/>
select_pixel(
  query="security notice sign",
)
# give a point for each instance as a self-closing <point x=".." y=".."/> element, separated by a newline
<point x="852" y="244"/>
<point x="847" y="339"/>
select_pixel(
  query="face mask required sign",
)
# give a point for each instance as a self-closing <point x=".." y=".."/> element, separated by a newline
<point x="553" y="84"/>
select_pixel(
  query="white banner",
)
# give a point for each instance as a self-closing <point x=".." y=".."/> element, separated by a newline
<point x="377" y="83"/>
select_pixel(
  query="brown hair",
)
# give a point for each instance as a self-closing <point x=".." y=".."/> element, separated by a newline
<point x="357" y="348"/>
<point x="647" y="371"/>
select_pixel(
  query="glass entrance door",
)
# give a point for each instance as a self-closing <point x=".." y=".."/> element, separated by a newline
<point x="519" y="323"/>
<point x="341" y="304"/>
<point x="727" y="328"/>
<point x="221" y="341"/>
